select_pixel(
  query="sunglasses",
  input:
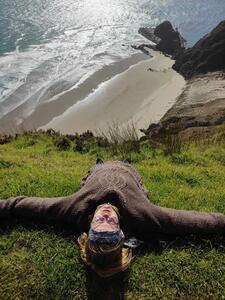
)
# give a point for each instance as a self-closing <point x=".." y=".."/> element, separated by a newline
<point x="109" y="220"/>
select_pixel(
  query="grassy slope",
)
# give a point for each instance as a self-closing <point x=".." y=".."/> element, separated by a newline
<point x="45" y="264"/>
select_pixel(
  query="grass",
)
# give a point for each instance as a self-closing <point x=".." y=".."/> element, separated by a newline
<point x="42" y="262"/>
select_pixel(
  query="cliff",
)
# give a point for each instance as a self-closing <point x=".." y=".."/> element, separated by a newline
<point x="167" y="40"/>
<point x="207" y="55"/>
<point x="200" y="109"/>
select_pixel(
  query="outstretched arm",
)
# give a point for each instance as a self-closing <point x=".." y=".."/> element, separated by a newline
<point x="64" y="209"/>
<point x="181" y="222"/>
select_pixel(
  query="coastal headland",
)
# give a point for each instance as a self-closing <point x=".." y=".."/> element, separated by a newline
<point x="200" y="109"/>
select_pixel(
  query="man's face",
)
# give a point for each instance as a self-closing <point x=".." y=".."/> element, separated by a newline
<point x="105" y="219"/>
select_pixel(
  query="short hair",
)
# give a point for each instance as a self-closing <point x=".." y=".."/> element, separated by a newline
<point x="105" y="259"/>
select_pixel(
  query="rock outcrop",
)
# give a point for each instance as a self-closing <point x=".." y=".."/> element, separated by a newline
<point x="167" y="40"/>
<point x="171" y="42"/>
<point x="207" y="55"/>
<point x="148" y="33"/>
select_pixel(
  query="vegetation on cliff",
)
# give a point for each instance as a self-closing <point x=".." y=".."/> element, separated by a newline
<point x="39" y="262"/>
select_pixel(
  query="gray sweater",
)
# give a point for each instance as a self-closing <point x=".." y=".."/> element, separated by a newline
<point x="117" y="183"/>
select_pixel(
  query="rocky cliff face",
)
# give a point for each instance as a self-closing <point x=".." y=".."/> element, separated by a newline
<point x="207" y="55"/>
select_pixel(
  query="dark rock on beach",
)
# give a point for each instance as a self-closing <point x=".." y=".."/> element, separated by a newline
<point x="171" y="40"/>
<point x="167" y="39"/>
<point x="207" y="55"/>
<point x="148" y="33"/>
<point x="143" y="48"/>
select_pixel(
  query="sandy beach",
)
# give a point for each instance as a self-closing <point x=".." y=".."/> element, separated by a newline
<point x="45" y="105"/>
<point x="141" y="95"/>
<point x="139" y="89"/>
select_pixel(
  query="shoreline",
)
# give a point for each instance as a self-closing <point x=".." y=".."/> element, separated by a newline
<point x="135" y="91"/>
<point x="142" y="95"/>
<point x="31" y="115"/>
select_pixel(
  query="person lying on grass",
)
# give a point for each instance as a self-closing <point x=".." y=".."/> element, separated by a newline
<point x="111" y="207"/>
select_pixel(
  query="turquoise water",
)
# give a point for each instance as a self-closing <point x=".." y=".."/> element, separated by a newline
<point x="44" y="42"/>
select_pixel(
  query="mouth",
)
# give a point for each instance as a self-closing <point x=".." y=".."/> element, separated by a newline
<point x="106" y="210"/>
<point x="106" y="207"/>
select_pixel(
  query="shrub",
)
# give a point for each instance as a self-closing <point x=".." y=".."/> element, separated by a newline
<point x="81" y="145"/>
<point x="72" y="137"/>
<point x="102" y="142"/>
<point x="52" y="132"/>
<point x="87" y="134"/>
<point x="4" y="139"/>
<point x="62" y="143"/>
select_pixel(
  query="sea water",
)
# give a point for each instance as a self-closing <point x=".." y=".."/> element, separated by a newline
<point x="48" y="47"/>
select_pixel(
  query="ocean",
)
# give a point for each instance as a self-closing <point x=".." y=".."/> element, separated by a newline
<point x="50" y="47"/>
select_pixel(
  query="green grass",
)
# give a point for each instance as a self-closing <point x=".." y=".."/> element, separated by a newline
<point x="39" y="262"/>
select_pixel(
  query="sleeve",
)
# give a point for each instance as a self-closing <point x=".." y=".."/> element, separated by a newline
<point x="57" y="209"/>
<point x="181" y="222"/>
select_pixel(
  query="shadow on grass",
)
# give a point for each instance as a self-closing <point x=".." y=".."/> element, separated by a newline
<point x="115" y="287"/>
<point x="161" y="243"/>
<point x="63" y="230"/>
<point x="112" y="288"/>
<point x="97" y="288"/>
